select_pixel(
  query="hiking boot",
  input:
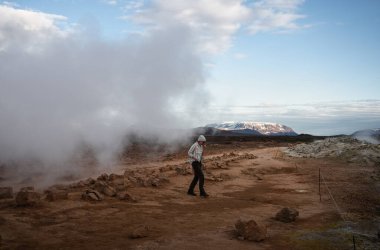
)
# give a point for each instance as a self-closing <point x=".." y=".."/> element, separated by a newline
<point x="192" y="193"/>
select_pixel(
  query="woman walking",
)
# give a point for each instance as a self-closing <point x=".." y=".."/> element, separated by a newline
<point x="195" y="158"/>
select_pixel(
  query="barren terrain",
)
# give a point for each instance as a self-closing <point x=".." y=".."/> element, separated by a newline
<point x="247" y="180"/>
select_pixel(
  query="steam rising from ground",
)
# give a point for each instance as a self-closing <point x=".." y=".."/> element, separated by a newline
<point x="81" y="90"/>
<point x="369" y="135"/>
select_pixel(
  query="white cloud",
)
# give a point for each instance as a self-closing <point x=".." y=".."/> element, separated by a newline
<point x="133" y="5"/>
<point x="28" y="29"/>
<point x="11" y="4"/>
<point x="275" y="15"/>
<point x="214" y="23"/>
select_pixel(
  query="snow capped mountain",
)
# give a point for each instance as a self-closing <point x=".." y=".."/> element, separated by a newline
<point x="254" y="128"/>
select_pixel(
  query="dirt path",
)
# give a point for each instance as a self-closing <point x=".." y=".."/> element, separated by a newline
<point x="247" y="183"/>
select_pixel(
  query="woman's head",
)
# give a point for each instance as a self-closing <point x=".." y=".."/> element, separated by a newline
<point x="201" y="139"/>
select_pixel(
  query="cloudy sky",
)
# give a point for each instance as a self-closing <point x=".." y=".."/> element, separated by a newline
<point x="312" y="65"/>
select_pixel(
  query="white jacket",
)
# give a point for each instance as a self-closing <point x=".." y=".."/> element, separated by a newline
<point x="195" y="152"/>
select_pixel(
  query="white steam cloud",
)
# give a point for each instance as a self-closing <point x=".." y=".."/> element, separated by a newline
<point x="60" y="88"/>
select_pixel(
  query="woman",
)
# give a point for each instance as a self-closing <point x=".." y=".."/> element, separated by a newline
<point x="195" y="158"/>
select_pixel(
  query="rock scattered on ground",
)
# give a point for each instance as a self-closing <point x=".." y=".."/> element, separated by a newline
<point x="6" y="192"/>
<point x="153" y="178"/>
<point x="92" y="195"/>
<point x="218" y="177"/>
<point x="183" y="170"/>
<point x="125" y="196"/>
<point x="345" y="147"/>
<point x="104" y="188"/>
<point x="27" y="197"/>
<point x="250" y="230"/>
<point x="140" y="232"/>
<point x="287" y="215"/>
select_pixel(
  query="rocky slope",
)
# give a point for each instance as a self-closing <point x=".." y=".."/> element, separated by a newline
<point x="345" y="147"/>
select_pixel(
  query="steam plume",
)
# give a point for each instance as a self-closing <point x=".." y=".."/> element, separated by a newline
<point x="79" y="89"/>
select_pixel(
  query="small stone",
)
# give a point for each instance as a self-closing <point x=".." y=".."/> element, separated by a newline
<point x="6" y="193"/>
<point x="104" y="188"/>
<point x="182" y="170"/>
<point x="27" y="198"/>
<point x="92" y="195"/>
<point x="124" y="196"/>
<point x="250" y="230"/>
<point x="109" y="191"/>
<point x="140" y="232"/>
<point x="287" y="215"/>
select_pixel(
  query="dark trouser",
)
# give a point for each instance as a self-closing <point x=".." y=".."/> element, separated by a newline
<point x="198" y="175"/>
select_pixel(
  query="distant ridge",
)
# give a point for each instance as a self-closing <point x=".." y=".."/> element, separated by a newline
<point x="247" y="128"/>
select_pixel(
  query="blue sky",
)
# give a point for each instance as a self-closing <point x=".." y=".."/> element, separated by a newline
<point x="312" y="65"/>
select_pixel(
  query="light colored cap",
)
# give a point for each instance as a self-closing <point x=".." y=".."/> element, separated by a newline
<point x="201" y="138"/>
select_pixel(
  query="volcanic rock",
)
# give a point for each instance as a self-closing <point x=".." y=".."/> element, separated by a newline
<point x="250" y="230"/>
<point x="104" y="188"/>
<point x="183" y="170"/>
<point x="124" y="196"/>
<point x="166" y="168"/>
<point x="347" y="148"/>
<point x="145" y="179"/>
<point x="117" y="182"/>
<point x="27" y="198"/>
<point x="6" y="192"/>
<point x="140" y="232"/>
<point x="92" y="195"/>
<point x="157" y="180"/>
<point x="287" y="215"/>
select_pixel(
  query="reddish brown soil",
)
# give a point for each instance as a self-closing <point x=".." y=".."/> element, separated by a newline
<point x="249" y="188"/>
